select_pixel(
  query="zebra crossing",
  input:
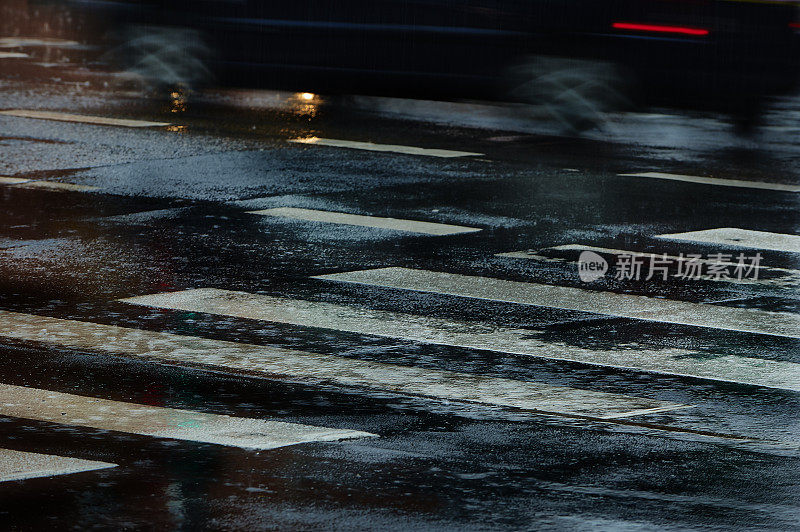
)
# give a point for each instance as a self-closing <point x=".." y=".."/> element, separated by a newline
<point x="159" y="422"/>
<point x="315" y="368"/>
<point x="319" y="368"/>
<point x="782" y="324"/>
<point x="70" y="410"/>
<point x="468" y="335"/>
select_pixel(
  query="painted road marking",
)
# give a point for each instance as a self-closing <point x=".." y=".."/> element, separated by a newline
<point x="782" y="324"/>
<point x="159" y="422"/>
<point x="13" y="55"/>
<point x="789" y="276"/>
<point x="5" y="180"/>
<point x="733" y="236"/>
<point x="395" y="224"/>
<point x="21" y="182"/>
<point x="53" y="185"/>
<point x="19" y="465"/>
<point x="315" y="368"/>
<point x="716" y="181"/>
<point x="471" y="335"/>
<point x="84" y="119"/>
<point x="408" y="150"/>
<point x="15" y="42"/>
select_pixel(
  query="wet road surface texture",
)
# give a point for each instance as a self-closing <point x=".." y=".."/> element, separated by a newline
<point x="263" y="310"/>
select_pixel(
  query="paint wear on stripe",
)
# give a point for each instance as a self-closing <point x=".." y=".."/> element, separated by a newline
<point x="476" y="335"/>
<point x="159" y="422"/>
<point x="315" y="368"/>
<point x="412" y="226"/>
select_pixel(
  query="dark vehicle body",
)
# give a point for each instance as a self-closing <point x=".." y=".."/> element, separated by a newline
<point x="693" y="53"/>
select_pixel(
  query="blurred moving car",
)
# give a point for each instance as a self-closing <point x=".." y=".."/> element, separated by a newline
<point x="575" y="57"/>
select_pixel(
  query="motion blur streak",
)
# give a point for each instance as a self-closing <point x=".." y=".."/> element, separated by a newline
<point x="659" y="28"/>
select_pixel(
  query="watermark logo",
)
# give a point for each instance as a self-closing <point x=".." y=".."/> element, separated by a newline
<point x="591" y="266"/>
<point x="646" y="266"/>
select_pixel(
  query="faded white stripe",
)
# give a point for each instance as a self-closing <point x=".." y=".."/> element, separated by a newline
<point x="158" y="422"/>
<point x="13" y="55"/>
<point x="717" y="181"/>
<point x="14" y="42"/>
<point x="395" y="224"/>
<point x="474" y="335"/>
<point x="19" y="465"/>
<point x="84" y="119"/>
<point x="5" y="180"/>
<point x="54" y="185"/>
<point x="396" y="148"/>
<point x="325" y="369"/>
<point x="20" y="182"/>
<point x="746" y="238"/>
<point x="783" y="324"/>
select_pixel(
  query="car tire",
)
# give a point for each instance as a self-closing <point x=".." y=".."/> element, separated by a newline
<point x="163" y="58"/>
<point x="578" y="94"/>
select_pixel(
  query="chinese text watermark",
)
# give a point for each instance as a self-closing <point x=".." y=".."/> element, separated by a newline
<point x="646" y="266"/>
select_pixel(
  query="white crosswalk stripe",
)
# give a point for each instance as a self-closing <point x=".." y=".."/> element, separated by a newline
<point x="19" y="182"/>
<point x="738" y="183"/>
<point x="369" y="146"/>
<point x="15" y="42"/>
<point x="394" y="224"/>
<point x="578" y="299"/>
<point x="55" y="186"/>
<point x="13" y="55"/>
<point x="6" y="180"/>
<point x="471" y="335"/>
<point x="20" y="465"/>
<point x="159" y="422"/>
<point x="733" y="236"/>
<point x="308" y="367"/>
<point x="83" y="119"/>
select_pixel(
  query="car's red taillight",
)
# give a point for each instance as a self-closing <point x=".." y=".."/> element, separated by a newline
<point x="658" y="28"/>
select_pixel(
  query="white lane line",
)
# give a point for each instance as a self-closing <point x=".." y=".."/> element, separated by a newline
<point x="746" y="238"/>
<point x="717" y="181"/>
<point x="396" y="148"/>
<point x="53" y="185"/>
<point x="13" y="55"/>
<point x="19" y="465"/>
<point x="396" y="224"/>
<point x="15" y="42"/>
<point x="84" y="119"/>
<point x="159" y="422"/>
<point x="789" y="276"/>
<point x="475" y="335"/>
<point x="782" y="324"/>
<point x="5" y="180"/>
<point x="315" y="368"/>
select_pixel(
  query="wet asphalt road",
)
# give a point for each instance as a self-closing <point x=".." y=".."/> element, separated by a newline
<point x="168" y="211"/>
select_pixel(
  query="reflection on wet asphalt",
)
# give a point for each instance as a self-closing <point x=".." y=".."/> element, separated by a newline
<point x="411" y="329"/>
